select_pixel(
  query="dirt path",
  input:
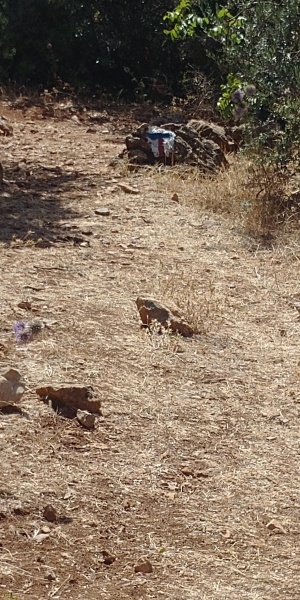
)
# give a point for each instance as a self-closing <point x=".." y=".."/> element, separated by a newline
<point x="198" y="447"/>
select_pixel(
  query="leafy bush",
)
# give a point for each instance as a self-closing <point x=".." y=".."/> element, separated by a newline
<point x="259" y="55"/>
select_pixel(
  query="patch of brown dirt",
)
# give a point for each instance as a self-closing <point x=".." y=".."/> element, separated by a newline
<point x="197" y="450"/>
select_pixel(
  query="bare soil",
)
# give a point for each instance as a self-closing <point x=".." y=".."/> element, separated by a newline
<point x="198" y="446"/>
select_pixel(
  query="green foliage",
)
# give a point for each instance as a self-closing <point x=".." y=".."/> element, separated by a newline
<point x="225" y="104"/>
<point x="220" y="24"/>
<point x="7" y="49"/>
<point x="258" y="42"/>
<point x="95" y="45"/>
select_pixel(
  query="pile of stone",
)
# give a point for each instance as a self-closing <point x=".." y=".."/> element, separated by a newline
<point x="196" y="143"/>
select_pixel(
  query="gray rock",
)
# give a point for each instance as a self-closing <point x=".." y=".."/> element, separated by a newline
<point x="86" y="419"/>
<point x="12" y="387"/>
<point x="102" y="211"/>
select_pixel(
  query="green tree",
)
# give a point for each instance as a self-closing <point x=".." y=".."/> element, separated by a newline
<point x="100" y="44"/>
<point x="259" y="44"/>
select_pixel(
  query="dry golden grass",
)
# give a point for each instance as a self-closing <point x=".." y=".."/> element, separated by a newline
<point x="198" y="447"/>
<point x="229" y="193"/>
<point x="257" y="198"/>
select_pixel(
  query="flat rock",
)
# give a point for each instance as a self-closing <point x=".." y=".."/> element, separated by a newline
<point x="86" y="419"/>
<point x="144" y="567"/>
<point x="151" y="311"/>
<point x="102" y="211"/>
<point x="12" y="387"/>
<point x="128" y="189"/>
<point x="72" y="396"/>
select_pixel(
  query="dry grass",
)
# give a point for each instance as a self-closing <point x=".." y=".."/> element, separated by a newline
<point x="198" y="446"/>
<point x="202" y="308"/>
<point x="229" y="193"/>
<point x="257" y="198"/>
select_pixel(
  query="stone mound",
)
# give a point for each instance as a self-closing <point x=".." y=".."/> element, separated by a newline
<point x="196" y="143"/>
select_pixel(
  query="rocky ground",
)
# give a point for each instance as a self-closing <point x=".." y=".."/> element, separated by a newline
<point x="192" y="471"/>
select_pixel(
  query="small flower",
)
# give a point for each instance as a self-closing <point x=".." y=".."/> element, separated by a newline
<point x="237" y="96"/>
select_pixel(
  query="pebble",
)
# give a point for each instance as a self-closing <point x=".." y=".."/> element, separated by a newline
<point x="102" y="211"/>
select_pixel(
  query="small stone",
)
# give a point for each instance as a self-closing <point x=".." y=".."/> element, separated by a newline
<point x="144" y="567"/>
<point x="12" y="387"/>
<point x="50" y="514"/>
<point x="102" y="211"/>
<point x="86" y="419"/>
<point x="187" y="471"/>
<point x="128" y="189"/>
<point x="75" y="119"/>
<point x="175" y="197"/>
<point x="276" y="526"/>
<point x="45" y="529"/>
<point x="108" y="558"/>
<point x="25" y="305"/>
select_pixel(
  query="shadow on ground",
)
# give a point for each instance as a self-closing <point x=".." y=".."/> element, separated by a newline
<point x="31" y="204"/>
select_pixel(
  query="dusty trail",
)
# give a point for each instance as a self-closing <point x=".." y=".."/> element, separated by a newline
<point x="198" y="447"/>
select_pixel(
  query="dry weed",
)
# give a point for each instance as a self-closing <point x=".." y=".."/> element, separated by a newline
<point x="227" y="192"/>
<point x="272" y="201"/>
<point x="202" y="309"/>
<point x="164" y="339"/>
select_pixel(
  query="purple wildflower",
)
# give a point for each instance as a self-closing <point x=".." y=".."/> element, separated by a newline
<point x="239" y="111"/>
<point x="22" y="333"/>
<point x="237" y="96"/>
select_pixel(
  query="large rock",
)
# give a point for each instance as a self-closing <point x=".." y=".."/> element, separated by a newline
<point x="12" y="387"/>
<point x="190" y="147"/>
<point x="71" y="396"/>
<point x="211" y="131"/>
<point x="153" y="312"/>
